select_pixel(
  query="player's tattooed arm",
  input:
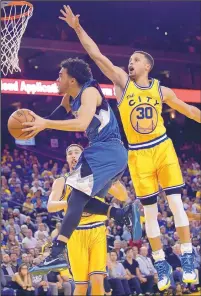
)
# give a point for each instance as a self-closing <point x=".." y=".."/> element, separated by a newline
<point x="117" y="75"/>
<point x="170" y="98"/>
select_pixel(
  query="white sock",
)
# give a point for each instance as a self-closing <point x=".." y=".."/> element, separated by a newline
<point x="186" y="248"/>
<point x="158" y="255"/>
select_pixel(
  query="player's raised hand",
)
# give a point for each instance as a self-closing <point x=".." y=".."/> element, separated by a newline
<point x="34" y="127"/>
<point x="68" y="16"/>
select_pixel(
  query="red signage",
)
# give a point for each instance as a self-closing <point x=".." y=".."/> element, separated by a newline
<point x="39" y="87"/>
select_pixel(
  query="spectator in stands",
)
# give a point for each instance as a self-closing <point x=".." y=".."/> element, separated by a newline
<point x="22" y="282"/>
<point x="40" y="282"/>
<point x="40" y="210"/>
<point x="17" y="196"/>
<point x="30" y="224"/>
<point x="36" y="186"/>
<point x="12" y="241"/>
<point x="117" y="248"/>
<point x="6" y="266"/>
<point x="28" y="207"/>
<point x="165" y="239"/>
<point x="17" y="251"/>
<point x="13" y="262"/>
<point x="11" y="223"/>
<point x="29" y="242"/>
<point x="25" y="259"/>
<point x="19" y="217"/>
<point x="147" y="269"/>
<point x="14" y="176"/>
<point x="41" y="229"/>
<point x="57" y="284"/>
<point x="136" y="279"/>
<point x="126" y="234"/>
<point x="4" y="290"/>
<point x="175" y="262"/>
<point x="26" y="189"/>
<point x="118" y="277"/>
<point x="161" y="222"/>
<point x="135" y="252"/>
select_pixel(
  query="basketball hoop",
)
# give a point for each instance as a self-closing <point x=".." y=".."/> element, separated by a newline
<point x="14" y="19"/>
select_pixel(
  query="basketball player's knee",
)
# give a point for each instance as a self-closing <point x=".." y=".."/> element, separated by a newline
<point x="80" y="289"/>
<point x="177" y="208"/>
<point x="97" y="280"/>
<point x="151" y="222"/>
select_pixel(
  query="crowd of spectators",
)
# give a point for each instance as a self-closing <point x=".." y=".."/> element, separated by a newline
<point x="26" y="182"/>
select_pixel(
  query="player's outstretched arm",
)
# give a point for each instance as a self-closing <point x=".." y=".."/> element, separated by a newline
<point x="118" y="190"/>
<point x="54" y="204"/>
<point x="114" y="73"/>
<point x="90" y="98"/>
<point x="170" y="98"/>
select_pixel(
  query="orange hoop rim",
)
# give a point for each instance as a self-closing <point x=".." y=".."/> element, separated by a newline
<point x="17" y="16"/>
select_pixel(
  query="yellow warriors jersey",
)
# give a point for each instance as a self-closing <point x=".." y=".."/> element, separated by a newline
<point x="140" y="110"/>
<point x="86" y="217"/>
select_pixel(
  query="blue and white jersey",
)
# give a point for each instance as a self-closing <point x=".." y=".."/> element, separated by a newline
<point x="103" y="126"/>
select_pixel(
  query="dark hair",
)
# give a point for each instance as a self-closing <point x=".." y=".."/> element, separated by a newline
<point x="77" y="69"/>
<point x="127" y="250"/>
<point x="149" y="58"/>
<point x="21" y="266"/>
<point x="74" y="145"/>
<point x="114" y="251"/>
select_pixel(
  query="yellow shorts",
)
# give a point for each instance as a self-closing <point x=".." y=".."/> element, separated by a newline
<point x="87" y="251"/>
<point x="155" y="166"/>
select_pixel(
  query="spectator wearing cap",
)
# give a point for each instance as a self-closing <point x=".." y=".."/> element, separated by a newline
<point x="18" y="196"/>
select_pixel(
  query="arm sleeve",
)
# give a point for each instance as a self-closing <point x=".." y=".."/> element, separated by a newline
<point x="58" y="114"/>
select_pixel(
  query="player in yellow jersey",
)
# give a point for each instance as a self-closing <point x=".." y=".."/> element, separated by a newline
<point x="152" y="159"/>
<point x="87" y="249"/>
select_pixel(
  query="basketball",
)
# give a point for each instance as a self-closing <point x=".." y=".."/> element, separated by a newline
<point x="15" y="123"/>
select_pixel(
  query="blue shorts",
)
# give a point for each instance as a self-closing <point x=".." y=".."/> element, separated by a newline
<point x="99" y="165"/>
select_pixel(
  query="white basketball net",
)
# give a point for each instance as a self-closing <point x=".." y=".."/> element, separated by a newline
<point x="12" y="30"/>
